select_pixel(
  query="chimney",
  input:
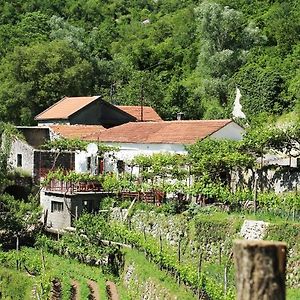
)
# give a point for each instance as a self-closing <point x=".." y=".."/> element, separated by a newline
<point x="180" y="116"/>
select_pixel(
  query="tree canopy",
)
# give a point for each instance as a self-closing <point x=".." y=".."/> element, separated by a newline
<point x="183" y="56"/>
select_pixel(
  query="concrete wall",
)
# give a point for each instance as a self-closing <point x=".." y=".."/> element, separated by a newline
<point x="231" y="131"/>
<point x="35" y="136"/>
<point x="129" y="150"/>
<point x="279" y="179"/>
<point x="60" y="219"/>
<point x="73" y="206"/>
<point x="88" y="202"/>
<point x="27" y="152"/>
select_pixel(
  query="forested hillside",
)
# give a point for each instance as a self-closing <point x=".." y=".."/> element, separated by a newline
<point x="177" y="55"/>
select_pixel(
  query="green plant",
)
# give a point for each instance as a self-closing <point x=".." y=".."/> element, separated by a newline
<point x="107" y="203"/>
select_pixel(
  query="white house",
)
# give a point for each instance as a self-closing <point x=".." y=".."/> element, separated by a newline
<point x="168" y="136"/>
<point x="28" y="156"/>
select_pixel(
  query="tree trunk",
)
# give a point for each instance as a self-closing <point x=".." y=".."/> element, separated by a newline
<point x="260" y="269"/>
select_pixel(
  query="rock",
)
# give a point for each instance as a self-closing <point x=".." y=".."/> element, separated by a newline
<point x="253" y="230"/>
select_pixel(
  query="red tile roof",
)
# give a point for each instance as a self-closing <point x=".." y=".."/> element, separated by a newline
<point x="65" y="108"/>
<point x="165" y="132"/>
<point x="149" y="114"/>
<point x="76" y="131"/>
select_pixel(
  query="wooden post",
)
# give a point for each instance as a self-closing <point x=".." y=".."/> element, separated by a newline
<point x="225" y="280"/>
<point x="179" y="255"/>
<point x="17" y="249"/>
<point x="255" y="192"/>
<point x="260" y="269"/>
<point x="199" y="274"/>
<point x="144" y="231"/>
<point x="160" y="250"/>
<point x="43" y="260"/>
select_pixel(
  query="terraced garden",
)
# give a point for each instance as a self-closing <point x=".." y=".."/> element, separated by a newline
<point x="154" y="256"/>
<point x="42" y="275"/>
<point x="46" y="276"/>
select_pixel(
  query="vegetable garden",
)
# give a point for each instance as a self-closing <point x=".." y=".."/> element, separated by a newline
<point x="48" y="276"/>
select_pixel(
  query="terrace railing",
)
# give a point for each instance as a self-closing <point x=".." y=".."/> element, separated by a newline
<point x="61" y="186"/>
<point x="154" y="196"/>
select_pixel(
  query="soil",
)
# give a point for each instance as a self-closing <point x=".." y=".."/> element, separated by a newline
<point x="75" y="293"/>
<point x="111" y="290"/>
<point x="56" y="290"/>
<point x="94" y="288"/>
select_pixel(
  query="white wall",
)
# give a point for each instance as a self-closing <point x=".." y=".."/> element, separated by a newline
<point x="57" y="220"/>
<point x="231" y="131"/>
<point x="21" y="147"/>
<point x="129" y="150"/>
<point x="81" y="162"/>
<point x="53" y="122"/>
<point x="81" y="165"/>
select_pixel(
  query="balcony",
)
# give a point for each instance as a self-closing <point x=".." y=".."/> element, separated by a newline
<point x="65" y="187"/>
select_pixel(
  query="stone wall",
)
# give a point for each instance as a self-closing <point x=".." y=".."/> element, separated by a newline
<point x="213" y="237"/>
<point x="254" y="230"/>
<point x="144" y="289"/>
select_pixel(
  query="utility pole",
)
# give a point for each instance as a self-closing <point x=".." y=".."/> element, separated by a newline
<point x="142" y="100"/>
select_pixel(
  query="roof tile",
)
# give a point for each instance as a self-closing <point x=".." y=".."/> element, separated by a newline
<point x="76" y="131"/>
<point x="165" y="132"/>
<point x="65" y="108"/>
<point x="149" y="114"/>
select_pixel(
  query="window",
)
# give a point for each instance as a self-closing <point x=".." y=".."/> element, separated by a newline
<point x="88" y="163"/>
<point x="57" y="206"/>
<point x="19" y="160"/>
<point x="121" y="166"/>
<point x="100" y="165"/>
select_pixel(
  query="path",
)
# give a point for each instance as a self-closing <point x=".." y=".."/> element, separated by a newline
<point x="112" y="291"/>
<point x="75" y="292"/>
<point x="55" y="290"/>
<point x="94" y="288"/>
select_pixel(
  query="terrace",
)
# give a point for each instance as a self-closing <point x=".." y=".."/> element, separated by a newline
<point x="68" y="187"/>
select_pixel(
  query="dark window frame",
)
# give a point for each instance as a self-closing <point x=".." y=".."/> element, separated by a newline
<point x="19" y="160"/>
<point x="121" y="166"/>
<point x="57" y="206"/>
<point x="89" y="163"/>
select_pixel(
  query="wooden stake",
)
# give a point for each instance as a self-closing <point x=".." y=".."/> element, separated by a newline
<point x="255" y="192"/>
<point x="225" y="280"/>
<point x="199" y="274"/>
<point x="17" y="249"/>
<point x="179" y="256"/>
<point x="260" y="269"/>
<point x="160" y="250"/>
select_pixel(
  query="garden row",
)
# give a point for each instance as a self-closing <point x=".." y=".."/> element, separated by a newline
<point x="43" y="276"/>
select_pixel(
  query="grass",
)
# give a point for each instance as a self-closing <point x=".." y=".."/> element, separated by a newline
<point x="15" y="285"/>
<point x="102" y="288"/>
<point x="55" y="267"/>
<point x="146" y="272"/>
<point x="293" y="294"/>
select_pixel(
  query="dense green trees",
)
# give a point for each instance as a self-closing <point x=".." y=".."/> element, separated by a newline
<point x="17" y="217"/>
<point x="177" y="56"/>
<point x="39" y="75"/>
